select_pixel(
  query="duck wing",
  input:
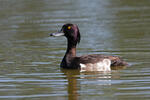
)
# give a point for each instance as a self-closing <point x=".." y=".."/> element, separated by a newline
<point x="115" y="61"/>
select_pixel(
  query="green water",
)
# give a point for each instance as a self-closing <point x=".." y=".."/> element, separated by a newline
<point x="29" y="58"/>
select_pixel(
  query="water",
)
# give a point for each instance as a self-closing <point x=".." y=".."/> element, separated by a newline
<point x="29" y="58"/>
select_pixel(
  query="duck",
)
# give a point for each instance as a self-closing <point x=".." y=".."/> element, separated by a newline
<point x="93" y="62"/>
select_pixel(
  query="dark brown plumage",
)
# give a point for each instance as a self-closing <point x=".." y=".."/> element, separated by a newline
<point x="115" y="61"/>
<point x="70" y="60"/>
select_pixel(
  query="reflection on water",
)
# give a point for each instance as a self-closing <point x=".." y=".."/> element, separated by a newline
<point x="73" y="86"/>
<point x="29" y="58"/>
<point x="77" y="82"/>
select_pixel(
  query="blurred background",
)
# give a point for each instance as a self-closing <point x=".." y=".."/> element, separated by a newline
<point x="29" y="58"/>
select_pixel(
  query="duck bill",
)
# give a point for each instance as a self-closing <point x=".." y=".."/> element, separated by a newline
<point x="57" y="34"/>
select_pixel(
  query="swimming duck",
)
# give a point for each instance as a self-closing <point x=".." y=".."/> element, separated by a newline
<point x="94" y="62"/>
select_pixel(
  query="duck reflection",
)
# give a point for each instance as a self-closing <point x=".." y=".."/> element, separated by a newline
<point x="77" y="80"/>
<point x="73" y="84"/>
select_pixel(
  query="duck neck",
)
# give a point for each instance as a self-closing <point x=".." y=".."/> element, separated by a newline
<point x="69" y="55"/>
<point x="71" y="49"/>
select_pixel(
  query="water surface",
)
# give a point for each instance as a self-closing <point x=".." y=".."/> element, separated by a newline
<point x="29" y="58"/>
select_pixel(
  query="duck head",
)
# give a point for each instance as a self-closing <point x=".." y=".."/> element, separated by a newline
<point x="70" y="31"/>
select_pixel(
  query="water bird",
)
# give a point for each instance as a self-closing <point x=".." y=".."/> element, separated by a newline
<point x="94" y="62"/>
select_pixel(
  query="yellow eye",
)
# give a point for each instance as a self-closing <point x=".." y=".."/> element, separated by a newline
<point x="69" y="27"/>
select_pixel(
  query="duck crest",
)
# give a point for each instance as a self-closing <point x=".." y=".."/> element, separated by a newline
<point x="76" y="33"/>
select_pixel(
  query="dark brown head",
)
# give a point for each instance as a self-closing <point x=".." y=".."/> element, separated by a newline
<point x="71" y="32"/>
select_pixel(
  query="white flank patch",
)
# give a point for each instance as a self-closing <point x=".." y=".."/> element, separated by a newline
<point x="83" y="67"/>
<point x="100" y="66"/>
